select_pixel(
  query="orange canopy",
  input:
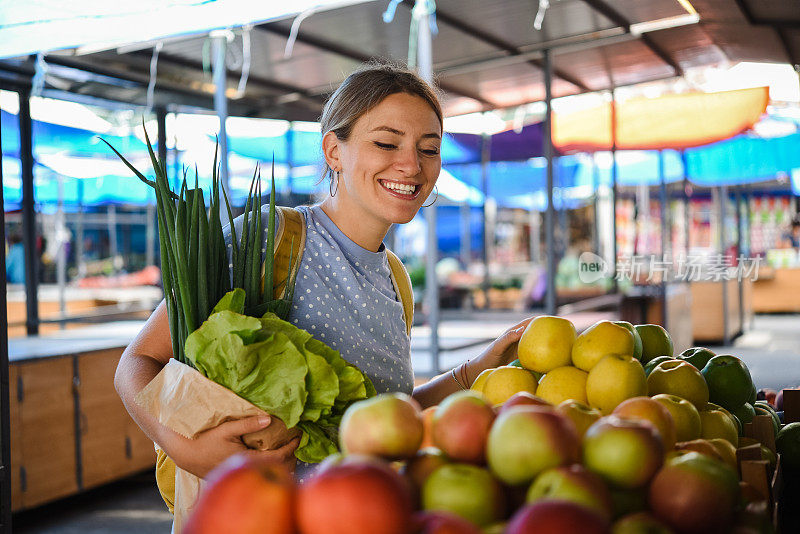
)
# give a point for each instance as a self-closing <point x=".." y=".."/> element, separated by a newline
<point x="673" y="121"/>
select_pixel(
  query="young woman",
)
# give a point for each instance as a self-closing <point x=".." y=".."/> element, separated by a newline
<point x="382" y="130"/>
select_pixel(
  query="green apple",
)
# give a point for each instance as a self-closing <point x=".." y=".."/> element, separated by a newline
<point x="465" y="490"/>
<point x="526" y="440"/>
<point x="744" y="413"/>
<point x="655" y="341"/>
<point x="624" y="452"/>
<point x="716" y="423"/>
<point x="729" y="381"/>
<point x="639" y="523"/>
<point x="788" y="445"/>
<point x="695" y="493"/>
<point x="697" y="356"/>
<point x="637" y="340"/>
<point x="652" y="364"/>
<point x="572" y="483"/>
<point x="678" y="378"/>
<point x="580" y="414"/>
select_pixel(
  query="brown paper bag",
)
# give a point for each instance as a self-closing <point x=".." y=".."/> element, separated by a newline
<point x="185" y="401"/>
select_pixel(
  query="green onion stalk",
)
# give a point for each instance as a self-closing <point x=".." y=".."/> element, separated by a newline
<point x="193" y="250"/>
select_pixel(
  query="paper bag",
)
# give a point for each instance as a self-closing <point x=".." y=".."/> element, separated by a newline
<point x="185" y="401"/>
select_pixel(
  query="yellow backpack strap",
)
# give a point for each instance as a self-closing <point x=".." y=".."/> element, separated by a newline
<point x="165" y="478"/>
<point x="402" y="285"/>
<point x="290" y="240"/>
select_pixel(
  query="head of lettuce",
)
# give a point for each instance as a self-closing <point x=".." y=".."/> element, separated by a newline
<point x="281" y="369"/>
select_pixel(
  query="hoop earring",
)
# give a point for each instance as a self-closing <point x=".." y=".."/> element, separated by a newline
<point x="334" y="178"/>
<point x="436" y="189"/>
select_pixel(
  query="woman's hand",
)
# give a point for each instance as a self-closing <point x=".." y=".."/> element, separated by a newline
<point x="210" y="448"/>
<point x="502" y="351"/>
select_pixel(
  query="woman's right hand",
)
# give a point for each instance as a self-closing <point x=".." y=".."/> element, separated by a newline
<point x="210" y="448"/>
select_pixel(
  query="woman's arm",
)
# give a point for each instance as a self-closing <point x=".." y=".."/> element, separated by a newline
<point x="141" y="361"/>
<point x="502" y="351"/>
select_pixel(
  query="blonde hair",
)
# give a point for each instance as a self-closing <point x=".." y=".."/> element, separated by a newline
<point x="365" y="89"/>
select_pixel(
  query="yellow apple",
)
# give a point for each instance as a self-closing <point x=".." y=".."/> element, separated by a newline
<point x="613" y="379"/>
<point x="563" y="383"/>
<point x="546" y="343"/>
<point x="504" y="381"/>
<point x="599" y="340"/>
<point x="684" y="414"/>
<point x="579" y="413"/>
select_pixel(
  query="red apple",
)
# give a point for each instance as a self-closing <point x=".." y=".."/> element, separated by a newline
<point x="526" y="440"/>
<point x="625" y="452"/>
<point x="461" y="426"/>
<point x="387" y="425"/>
<point x="466" y="490"/>
<point x="523" y="398"/>
<point x="442" y="523"/>
<point x="557" y="517"/>
<point x="694" y="493"/>
<point x="575" y="484"/>
<point x="354" y="497"/>
<point x="245" y="497"/>
<point x="647" y="409"/>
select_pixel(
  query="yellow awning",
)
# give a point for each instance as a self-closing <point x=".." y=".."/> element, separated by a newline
<point x="672" y="121"/>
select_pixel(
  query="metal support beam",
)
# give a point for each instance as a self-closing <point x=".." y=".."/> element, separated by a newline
<point x="349" y="53"/>
<point x="5" y="416"/>
<point x="686" y="206"/>
<point x="497" y="42"/>
<point x="550" y="302"/>
<point x="739" y="242"/>
<point x="617" y="18"/>
<point x="488" y="229"/>
<point x="722" y="197"/>
<point x="28" y="215"/>
<point x="664" y="236"/>
<point x="425" y="68"/>
<point x="614" y="171"/>
<point x="219" y="41"/>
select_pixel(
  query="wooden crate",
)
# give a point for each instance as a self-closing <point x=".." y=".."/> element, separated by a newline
<point x="776" y="290"/>
<point x="112" y="446"/>
<point x="46" y="431"/>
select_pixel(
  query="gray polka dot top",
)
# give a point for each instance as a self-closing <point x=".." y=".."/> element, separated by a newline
<point x="344" y="296"/>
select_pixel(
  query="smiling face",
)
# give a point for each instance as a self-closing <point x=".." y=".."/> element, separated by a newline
<point x="390" y="162"/>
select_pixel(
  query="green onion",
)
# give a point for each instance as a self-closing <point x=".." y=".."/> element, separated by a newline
<point x="195" y="270"/>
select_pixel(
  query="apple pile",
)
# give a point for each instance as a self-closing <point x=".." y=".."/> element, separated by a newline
<point x="564" y="441"/>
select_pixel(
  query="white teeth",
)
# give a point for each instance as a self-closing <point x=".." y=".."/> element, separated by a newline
<point x="406" y="189"/>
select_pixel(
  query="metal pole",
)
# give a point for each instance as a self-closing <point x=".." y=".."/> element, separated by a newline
<point x="687" y="220"/>
<point x="5" y="416"/>
<point x="488" y="214"/>
<point x="722" y="194"/>
<point x="614" y="189"/>
<point x="550" y="302"/>
<point x="79" y="233"/>
<point x="664" y="240"/>
<point x="61" y="255"/>
<point x="739" y="241"/>
<point x="28" y="215"/>
<point x="596" y="217"/>
<point x="536" y="244"/>
<point x="112" y="236"/>
<point x="150" y="237"/>
<point x="219" y="41"/>
<point x="465" y="211"/>
<point x="289" y="157"/>
<point x="424" y="60"/>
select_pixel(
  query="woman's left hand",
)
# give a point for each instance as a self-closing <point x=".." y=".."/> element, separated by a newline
<point x="502" y="351"/>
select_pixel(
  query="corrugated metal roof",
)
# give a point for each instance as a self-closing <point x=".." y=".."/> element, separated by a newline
<point x="487" y="53"/>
